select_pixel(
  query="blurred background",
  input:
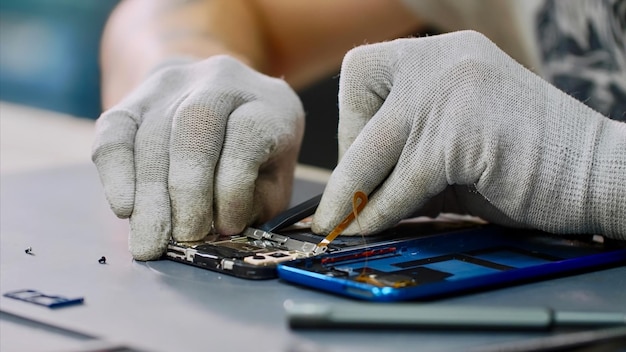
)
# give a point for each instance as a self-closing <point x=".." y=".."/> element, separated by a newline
<point x="49" y="60"/>
<point x="49" y="53"/>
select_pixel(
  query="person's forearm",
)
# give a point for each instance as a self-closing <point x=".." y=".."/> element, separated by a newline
<point x="141" y="34"/>
<point x="297" y="40"/>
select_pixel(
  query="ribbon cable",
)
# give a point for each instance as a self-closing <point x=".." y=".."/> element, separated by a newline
<point x="359" y="200"/>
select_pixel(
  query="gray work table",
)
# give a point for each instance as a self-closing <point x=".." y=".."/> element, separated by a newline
<point x="57" y="207"/>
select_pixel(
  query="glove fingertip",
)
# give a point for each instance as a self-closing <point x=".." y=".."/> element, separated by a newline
<point x="144" y="247"/>
<point x="117" y="175"/>
<point x="319" y="228"/>
<point x="193" y="227"/>
<point x="121" y="199"/>
<point x="323" y="220"/>
<point x="122" y="212"/>
<point x="229" y="229"/>
<point x="233" y="211"/>
<point x="146" y="253"/>
<point x="150" y="230"/>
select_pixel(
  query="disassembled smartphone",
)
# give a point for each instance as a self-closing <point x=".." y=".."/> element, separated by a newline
<point x="451" y="263"/>
<point x="255" y="253"/>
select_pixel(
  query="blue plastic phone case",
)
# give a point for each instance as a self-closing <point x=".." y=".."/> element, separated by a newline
<point x="451" y="263"/>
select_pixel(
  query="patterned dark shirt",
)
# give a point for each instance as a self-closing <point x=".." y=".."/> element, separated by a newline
<point x="582" y="46"/>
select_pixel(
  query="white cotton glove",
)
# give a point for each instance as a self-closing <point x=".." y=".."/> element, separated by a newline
<point x="452" y="119"/>
<point x="199" y="144"/>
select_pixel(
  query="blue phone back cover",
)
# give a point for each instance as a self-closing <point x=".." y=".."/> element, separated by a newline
<point x="450" y="263"/>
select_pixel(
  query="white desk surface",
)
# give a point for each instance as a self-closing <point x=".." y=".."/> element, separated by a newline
<point x="52" y="201"/>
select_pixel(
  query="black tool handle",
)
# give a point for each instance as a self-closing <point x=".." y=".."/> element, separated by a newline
<point x="292" y="215"/>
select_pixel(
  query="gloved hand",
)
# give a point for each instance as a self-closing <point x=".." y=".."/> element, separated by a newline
<point x="198" y="144"/>
<point x="453" y="120"/>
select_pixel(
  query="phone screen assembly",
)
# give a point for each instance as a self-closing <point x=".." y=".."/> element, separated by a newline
<point x="255" y="253"/>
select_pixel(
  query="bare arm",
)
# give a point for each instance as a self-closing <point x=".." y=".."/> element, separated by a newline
<point x="296" y="39"/>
